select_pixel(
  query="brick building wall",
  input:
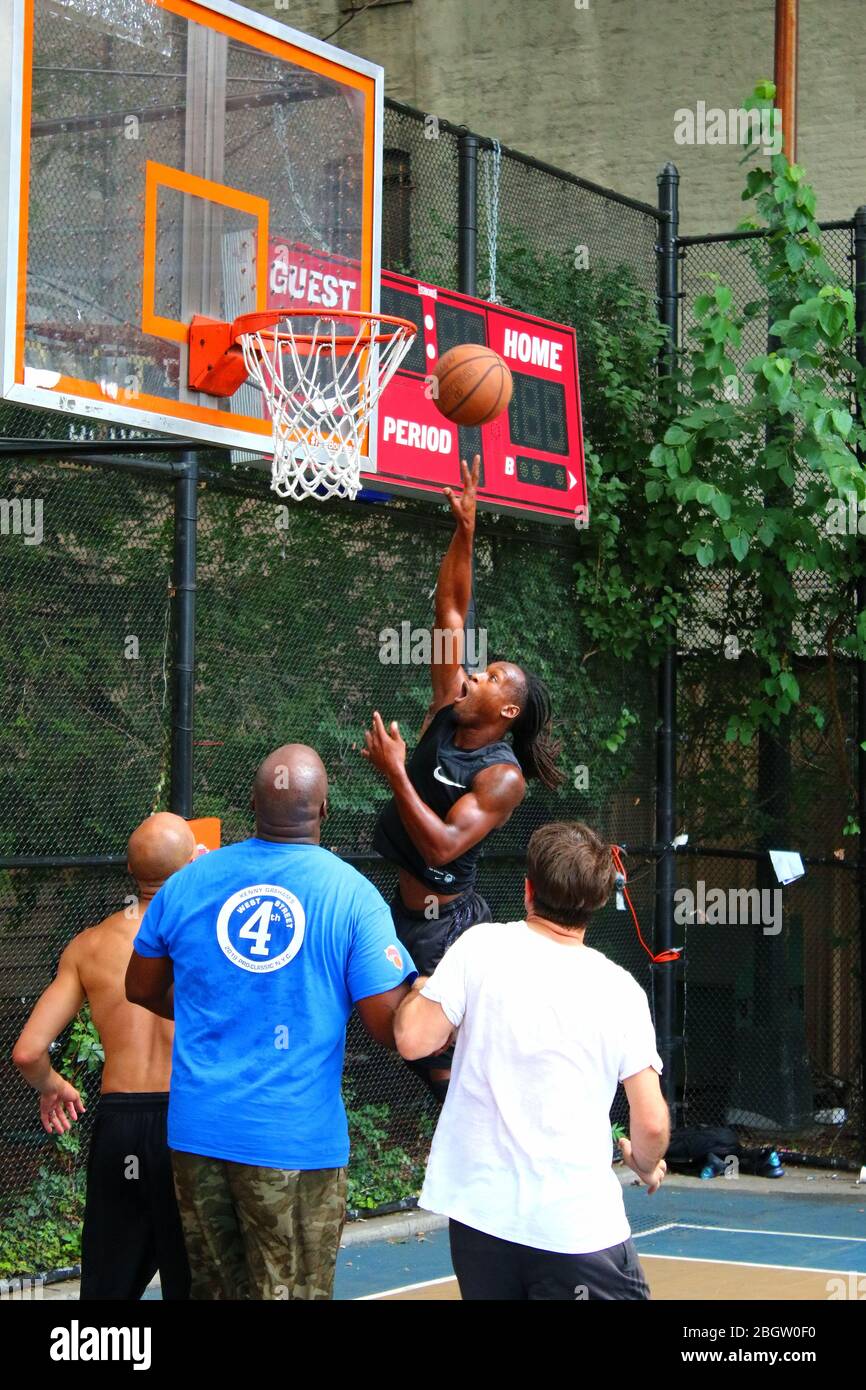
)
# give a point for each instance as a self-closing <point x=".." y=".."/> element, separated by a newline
<point x="595" y="90"/>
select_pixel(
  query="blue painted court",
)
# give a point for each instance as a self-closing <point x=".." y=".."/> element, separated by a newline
<point x="706" y="1243"/>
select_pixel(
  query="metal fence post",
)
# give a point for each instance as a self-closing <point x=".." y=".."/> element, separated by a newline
<point x="467" y="276"/>
<point x="860" y="349"/>
<point x="467" y="213"/>
<point x="183" y="623"/>
<point x="664" y="976"/>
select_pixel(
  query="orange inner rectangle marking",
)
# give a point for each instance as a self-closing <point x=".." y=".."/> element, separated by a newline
<point x="164" y="176"/>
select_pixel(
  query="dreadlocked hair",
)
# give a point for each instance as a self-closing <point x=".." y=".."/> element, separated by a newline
<point x="534" y="748"/>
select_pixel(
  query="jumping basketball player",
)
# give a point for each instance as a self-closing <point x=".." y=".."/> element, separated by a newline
<point x="464" y="778"/>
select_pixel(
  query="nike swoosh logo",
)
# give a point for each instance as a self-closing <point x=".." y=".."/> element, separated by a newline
<point x="440" y="778"/>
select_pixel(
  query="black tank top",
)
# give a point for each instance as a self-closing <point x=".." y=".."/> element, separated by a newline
<point x="440" y="773"/>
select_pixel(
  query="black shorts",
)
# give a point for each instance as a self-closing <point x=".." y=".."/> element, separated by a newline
<point x="131" y="1221"/>
<point x="427" y="939"/>
<point x="494" y="1269"/>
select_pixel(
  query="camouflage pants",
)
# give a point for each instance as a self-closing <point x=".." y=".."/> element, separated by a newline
<point x="259" y="1233"/>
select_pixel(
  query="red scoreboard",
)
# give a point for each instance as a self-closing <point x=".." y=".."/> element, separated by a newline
<point x="532" y="456"/>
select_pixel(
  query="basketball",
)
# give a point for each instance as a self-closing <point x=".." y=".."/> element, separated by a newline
<point x="474" y="384"/>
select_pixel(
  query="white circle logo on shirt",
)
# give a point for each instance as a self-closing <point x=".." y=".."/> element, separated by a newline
<point x="261" y="928"/>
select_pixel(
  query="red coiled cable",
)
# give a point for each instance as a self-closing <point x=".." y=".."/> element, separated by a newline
<point x="664" y="957"/>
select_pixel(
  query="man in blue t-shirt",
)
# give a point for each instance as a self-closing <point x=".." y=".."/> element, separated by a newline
<point x="259" y="951"/>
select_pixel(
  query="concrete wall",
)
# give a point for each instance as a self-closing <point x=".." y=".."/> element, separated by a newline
<point x="595" y="90"/>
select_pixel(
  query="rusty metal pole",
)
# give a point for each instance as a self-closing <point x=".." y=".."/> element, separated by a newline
<point x="785" y="72"/>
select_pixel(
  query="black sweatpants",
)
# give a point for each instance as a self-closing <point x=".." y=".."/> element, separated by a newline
<point x="494" y="1269"/>
<point x="131" y="1222"/>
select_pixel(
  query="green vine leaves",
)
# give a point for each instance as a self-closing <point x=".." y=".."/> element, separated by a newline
<point x="758" y="469"/>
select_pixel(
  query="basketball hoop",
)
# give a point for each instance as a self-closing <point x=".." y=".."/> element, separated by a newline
<point x="319" y="387"/>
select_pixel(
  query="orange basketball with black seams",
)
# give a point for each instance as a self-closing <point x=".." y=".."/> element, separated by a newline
<point x="474" y="384"/>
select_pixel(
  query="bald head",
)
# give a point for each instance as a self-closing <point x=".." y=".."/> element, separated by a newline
<point x="290" y="794"/>
<point x="160" y="846"/>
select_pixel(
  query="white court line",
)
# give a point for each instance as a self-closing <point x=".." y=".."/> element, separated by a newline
<point x="752" y="1264"/>
<point x="754" y="1231"/>
<point x="406" y="1288"/>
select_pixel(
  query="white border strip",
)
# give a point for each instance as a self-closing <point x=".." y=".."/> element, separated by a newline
<point x="754" y="1264"/>
<point x="406" y="1288"/>
<point x="757" y="1231"/>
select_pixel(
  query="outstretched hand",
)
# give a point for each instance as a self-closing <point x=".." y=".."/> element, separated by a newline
<point x="385" y="748"/>
<point x="463" y="507"/>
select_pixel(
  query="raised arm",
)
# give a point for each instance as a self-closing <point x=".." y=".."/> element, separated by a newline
<point x="453" y="594"/>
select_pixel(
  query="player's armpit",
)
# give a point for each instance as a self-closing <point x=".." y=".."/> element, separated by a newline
<point x="447" y="674"/>
<point x="447" y="695"/>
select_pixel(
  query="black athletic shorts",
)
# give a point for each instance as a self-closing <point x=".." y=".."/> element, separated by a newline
<point x="494" y="1269"/>
<point x="427" y="939"/>
<point x="131" y="1222"/>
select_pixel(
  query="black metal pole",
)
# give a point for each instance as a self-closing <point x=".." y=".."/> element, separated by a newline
<point x="183" y="614"/>
<point x="664" y="976"/>
<point x="860" y="348"/>
<point x="467" y="280"/>
<point x="467" y="213"/>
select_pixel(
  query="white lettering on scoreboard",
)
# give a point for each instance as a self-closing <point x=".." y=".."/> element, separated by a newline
<point x="311" y="286"/>
<point x="525" y="347"/>
<point x="413" y="435"/>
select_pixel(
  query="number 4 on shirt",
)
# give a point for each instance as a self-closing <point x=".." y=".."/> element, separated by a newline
<point x="258" y="933"/>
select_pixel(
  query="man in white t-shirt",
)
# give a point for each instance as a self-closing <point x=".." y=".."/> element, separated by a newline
<point x="546" y="1028"/>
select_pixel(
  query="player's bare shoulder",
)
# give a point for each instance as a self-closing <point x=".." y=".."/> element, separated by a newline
<point x="501" y="784"/>
<point x="107" y="942"/>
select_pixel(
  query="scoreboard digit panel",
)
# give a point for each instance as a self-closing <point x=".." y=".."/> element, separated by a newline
<point x="532" y="457"/>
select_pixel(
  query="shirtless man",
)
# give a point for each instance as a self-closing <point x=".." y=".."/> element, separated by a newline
<point x="131" y="1222"/>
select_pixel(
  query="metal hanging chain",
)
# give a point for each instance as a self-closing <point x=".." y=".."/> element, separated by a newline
<point x="491" y="194"/>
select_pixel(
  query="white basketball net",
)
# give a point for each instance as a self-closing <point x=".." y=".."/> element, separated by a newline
<point x="320" y="393"/>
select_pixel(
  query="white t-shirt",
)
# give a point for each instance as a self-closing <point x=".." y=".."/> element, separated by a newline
<point x="546" y="1031"/>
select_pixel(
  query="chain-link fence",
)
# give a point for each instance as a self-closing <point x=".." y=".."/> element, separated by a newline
<point x="771" y="1011"/>
<point x="291" y="605"/>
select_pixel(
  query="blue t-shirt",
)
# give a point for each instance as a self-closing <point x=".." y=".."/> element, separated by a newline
<point x="271" y="944"/>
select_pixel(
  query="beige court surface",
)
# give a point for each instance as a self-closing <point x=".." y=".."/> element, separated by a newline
<point x="689" y="1280"/>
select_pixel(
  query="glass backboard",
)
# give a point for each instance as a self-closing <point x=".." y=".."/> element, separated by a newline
<point x="162" y="159"/>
